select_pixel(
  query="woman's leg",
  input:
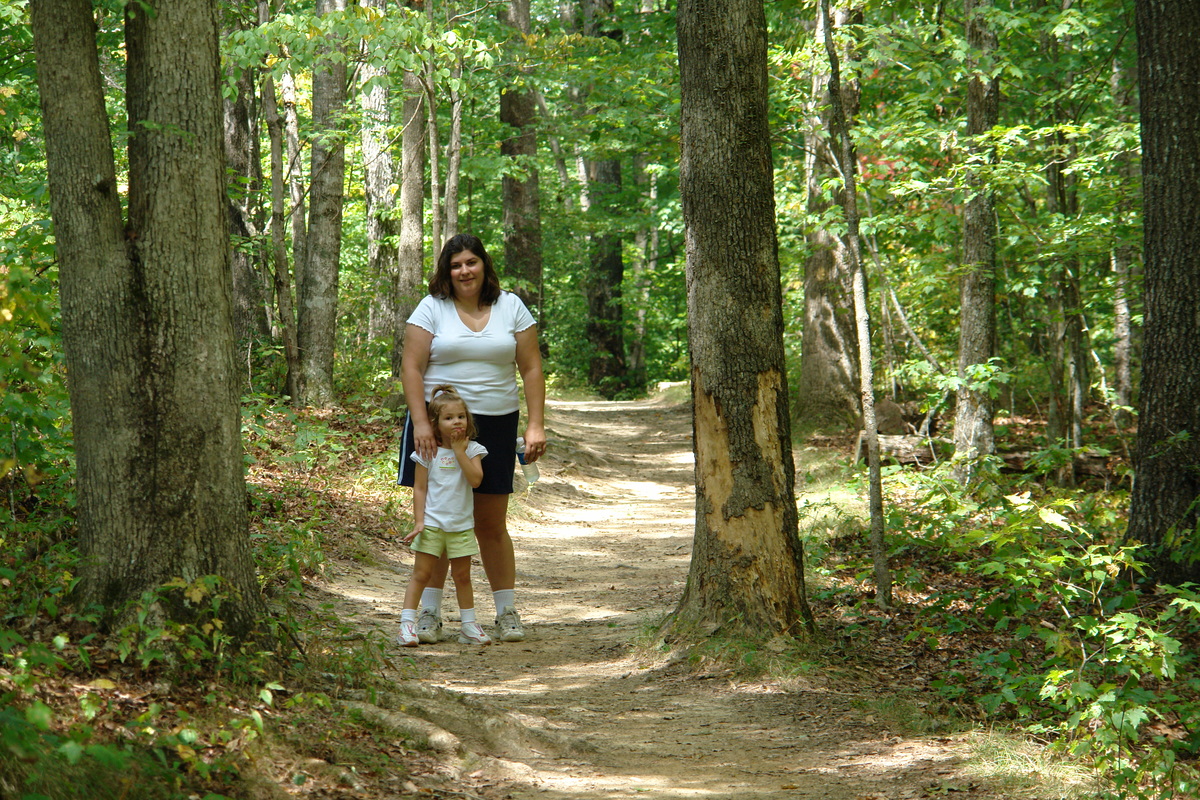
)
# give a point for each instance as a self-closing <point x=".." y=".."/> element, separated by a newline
<point x="495" y="545"/>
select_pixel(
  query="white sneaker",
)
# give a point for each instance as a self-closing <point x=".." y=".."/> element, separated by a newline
<point x="508" y="626"/>
<point x="429" y="626"/>
<point x="408" y="634"/>
<point x="473" y="633"/>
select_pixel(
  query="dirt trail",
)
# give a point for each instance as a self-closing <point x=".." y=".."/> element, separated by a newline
<point x="603" y="545"/>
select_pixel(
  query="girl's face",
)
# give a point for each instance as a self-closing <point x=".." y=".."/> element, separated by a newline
<point x="466" y="274"/>
<point x="452" y="424"/>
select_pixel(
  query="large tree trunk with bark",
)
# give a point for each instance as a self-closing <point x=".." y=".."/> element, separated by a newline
<point x="747" y="571"/>
<point x="1165" y="504"/>
<point x="317" y="294"/>
<point x="974" y="436"/>
<point x="147" y="316"/>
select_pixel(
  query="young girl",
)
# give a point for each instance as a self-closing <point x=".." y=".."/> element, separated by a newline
<point x="443" y="513"/>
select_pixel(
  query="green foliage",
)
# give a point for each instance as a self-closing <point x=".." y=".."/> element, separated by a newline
<point x="1081" y="651"/>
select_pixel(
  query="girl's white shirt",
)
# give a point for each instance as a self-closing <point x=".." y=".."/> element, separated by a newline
<point x="449" y="503"/>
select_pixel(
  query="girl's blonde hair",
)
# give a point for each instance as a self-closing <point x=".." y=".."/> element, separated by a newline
<point x="444" y="395"/>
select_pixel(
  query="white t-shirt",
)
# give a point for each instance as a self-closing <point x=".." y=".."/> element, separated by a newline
<point x="480" y="365"/>
<point x="449" y="503"/>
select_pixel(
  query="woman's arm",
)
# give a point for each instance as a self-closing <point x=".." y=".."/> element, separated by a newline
<point x="529" y="364"/>
<point x="413" y="363"/>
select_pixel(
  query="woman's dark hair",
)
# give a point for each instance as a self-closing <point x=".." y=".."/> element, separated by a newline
<point x="440" y="285"/>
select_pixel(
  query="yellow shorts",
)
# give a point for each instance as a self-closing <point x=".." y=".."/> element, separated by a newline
<point x="455" y="544"/>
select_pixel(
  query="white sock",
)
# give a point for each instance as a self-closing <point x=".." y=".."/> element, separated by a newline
<point x="467" y="615"/>
<point x="432" y="599"/>
<point x="504" y="598"/>
<point x="408" y="615"/>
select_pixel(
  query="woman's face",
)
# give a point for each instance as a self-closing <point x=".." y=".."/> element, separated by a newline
<point x="466" y="274"/>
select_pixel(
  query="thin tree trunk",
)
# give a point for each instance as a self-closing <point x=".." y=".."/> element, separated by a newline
<point x="839" y="130"/>
<point x="378" y="176"/>
<point x="318" y="285"/>
<point x="974" y="435"/>
<point x="296" y="189"/>
<point x="249" y="311"/>
<point x="282" y="275"/>
<point x="409" y="288"/>
<point x="520" y="184"/>
<point x="826" y="395"/>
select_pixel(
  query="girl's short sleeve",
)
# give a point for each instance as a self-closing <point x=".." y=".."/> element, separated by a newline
<point x="474" y="448"/>
<point x="416" y="457"/>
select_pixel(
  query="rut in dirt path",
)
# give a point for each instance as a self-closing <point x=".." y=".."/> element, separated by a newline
<point x="603" y="545"/>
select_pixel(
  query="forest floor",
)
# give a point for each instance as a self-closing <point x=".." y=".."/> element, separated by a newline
<point x="591" y="705"/>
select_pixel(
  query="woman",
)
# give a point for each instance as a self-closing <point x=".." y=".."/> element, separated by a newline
<point x="471" y="334"/>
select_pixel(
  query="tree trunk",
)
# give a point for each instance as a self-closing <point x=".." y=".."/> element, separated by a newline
<point x="453" y="155"/>
<point x="146" y="310"/>
<point x="1165" y="503"/>
<point x="1123" y="257"/>
<point x="522" y="213"/>
<point x="318" y="285"/>
<point x="974" y="436"/>
<point x="378" y="176"/>
<point x="826" y="395"/>
<point x="296" y="188"/>
<point x="601" y="182"/>
<point x="279" y="254"/>
<point x="747" y="570"/>
<point x="409" y="288"/>
<point x="839" y="134"/>
<point x="249" y="305"/>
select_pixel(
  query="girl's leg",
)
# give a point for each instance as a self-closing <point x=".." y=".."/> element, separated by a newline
<point x="460" y="569"/>
<point x="423" y="568"/>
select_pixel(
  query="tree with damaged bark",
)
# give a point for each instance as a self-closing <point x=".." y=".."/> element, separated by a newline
<point x="747" y="569"/>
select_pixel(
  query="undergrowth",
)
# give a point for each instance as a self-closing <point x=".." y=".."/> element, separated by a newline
<point x="1023" y="607"/>
<point x="163" y="710"/>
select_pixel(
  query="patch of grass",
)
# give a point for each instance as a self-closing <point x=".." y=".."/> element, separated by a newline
<point x="1024" y="768"/>
<point x="913" y="717"/>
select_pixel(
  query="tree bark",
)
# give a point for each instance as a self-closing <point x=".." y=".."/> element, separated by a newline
<point x="826" y="395"/>
<point x="379" y="173"/>
<point x="839" y="134"/>
<point x="974" y="435"/>
<point x="147" y="312"/>
<point x="1165" y="502"/>
<point x="521" y="194"/>
<point x="607" y="370"/>
<point x="409" y="288"/>
<point x="279" y="254"/>
<point x="747" y="570"/>
<point x="249" y="305"/>
<point x="318" y="285"/>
